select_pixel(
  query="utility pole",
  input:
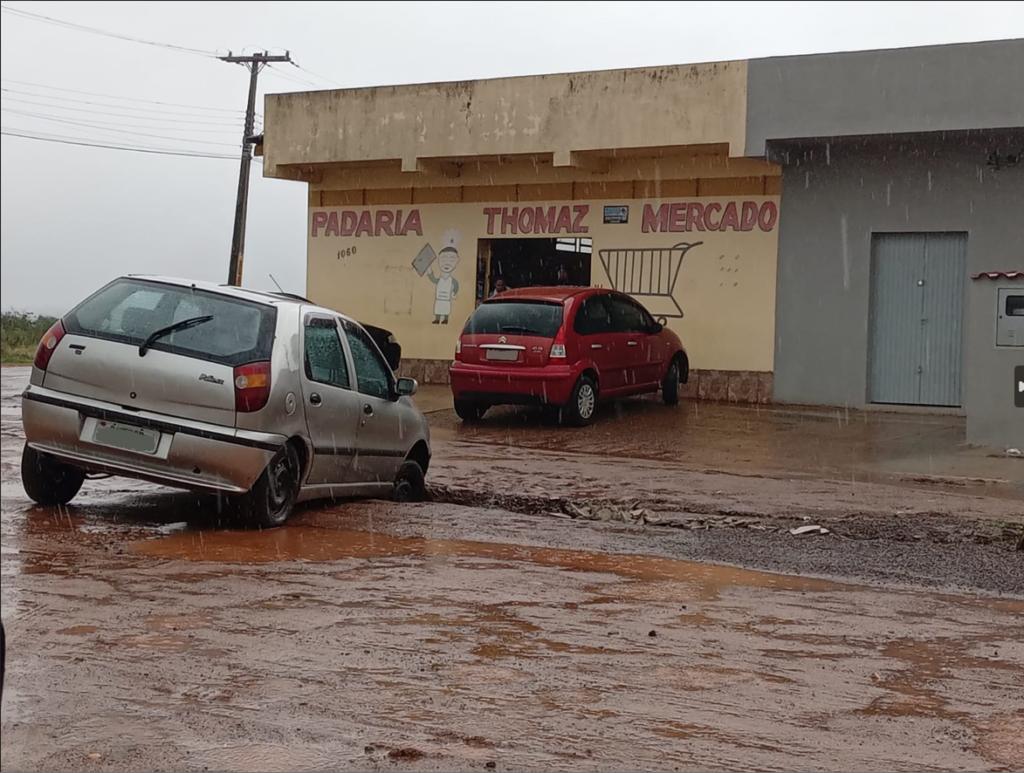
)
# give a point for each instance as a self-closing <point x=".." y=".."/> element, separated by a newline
<point x="254" y="64"/>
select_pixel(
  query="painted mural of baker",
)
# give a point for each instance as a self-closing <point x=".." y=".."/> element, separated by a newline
<point x="446" y="286"/>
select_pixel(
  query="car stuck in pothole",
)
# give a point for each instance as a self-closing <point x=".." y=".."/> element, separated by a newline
<point x="264" y="398"/>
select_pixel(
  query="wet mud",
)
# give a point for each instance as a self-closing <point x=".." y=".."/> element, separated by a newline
<point x="486" y="630"/>
<point x="912" y="449"/>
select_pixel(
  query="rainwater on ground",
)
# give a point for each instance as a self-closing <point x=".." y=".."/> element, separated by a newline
<point x="145" y="635"/>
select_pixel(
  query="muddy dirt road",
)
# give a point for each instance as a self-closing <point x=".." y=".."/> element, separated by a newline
<point x="522" y="621"/>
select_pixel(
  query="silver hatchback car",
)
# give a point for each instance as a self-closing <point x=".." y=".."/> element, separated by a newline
<point x="263" y="397"/>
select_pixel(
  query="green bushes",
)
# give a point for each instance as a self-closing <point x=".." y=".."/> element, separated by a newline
<point x="20" y="333"/>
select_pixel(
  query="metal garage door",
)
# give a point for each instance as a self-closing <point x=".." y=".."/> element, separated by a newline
<point x="916" y="326"/>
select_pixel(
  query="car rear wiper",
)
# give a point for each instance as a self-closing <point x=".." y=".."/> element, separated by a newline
<point x="156" y="335"/>
<point x="519" y="329"/>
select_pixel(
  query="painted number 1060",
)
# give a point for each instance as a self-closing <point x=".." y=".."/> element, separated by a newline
<point x="348" y="252"/>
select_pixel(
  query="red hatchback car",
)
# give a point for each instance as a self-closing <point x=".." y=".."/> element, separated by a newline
<point x="564" y="347"/>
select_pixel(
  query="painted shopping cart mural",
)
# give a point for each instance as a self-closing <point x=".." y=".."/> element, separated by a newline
<point x="649" y="275"/>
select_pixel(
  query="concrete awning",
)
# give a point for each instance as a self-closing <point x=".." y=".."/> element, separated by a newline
<point x="567" y="120"/>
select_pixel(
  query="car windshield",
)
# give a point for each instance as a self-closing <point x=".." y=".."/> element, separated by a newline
<point x="129" y="310"/>
<point x="535" y="318"/>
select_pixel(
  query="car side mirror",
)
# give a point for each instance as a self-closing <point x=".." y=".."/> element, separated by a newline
<point x="656" y="327"/>
<point x="406" y="387"/>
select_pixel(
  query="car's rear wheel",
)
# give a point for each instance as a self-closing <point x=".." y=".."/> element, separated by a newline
<point x="410" y="483"/>
<point x="469" y="412"/>
<point x="670" y="384"/>
<point x="582" y="403"/>
<point x="269" y="503"/>
<point x="47" y="481"/>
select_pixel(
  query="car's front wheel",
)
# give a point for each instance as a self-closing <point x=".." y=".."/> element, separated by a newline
<point x="269" y="503"/>
<point x="410" y="483"/>
<point x="47" y="481"/>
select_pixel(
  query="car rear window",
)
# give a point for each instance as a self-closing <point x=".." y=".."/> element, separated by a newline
<point x="535" y="318"/>
<point x="129" y="310"/>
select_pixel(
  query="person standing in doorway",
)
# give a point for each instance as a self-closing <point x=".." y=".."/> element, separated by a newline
<point x="563" y="277"/>
<point x="499" y="287"/>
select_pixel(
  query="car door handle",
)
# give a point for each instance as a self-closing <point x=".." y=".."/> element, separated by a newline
<point x="632" y="343"/>
<point x="595" y="346"/>
<point x="315" y="399"/>
<point x="368" y="409"/>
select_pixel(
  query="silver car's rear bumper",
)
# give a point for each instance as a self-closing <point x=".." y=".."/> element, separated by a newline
<point x="191" y="455"/>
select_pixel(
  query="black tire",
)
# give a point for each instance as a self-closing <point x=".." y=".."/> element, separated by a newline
<point x="470" y="412"/>
<point x="670" y="384"/>
<point x="582" y="405"/>
<point x="270" y="502"/>
<point x="410" y="483"/>
<point x="47" y="481"/>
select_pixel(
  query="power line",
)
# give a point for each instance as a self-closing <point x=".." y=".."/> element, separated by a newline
<point x="321" y="77"/>
<point x="152" y="115"/>
<point x="112" y="96"/>
<point x="108" y="113"/>
<point x="105" y="33"/>
<point x="298" y="66"/>
<point x="119" y="131"/>
<point x="10" y="132"/>
<point x="291" y="78"/>
<point x="96" y="136"/>
<point x="116" y="124"/>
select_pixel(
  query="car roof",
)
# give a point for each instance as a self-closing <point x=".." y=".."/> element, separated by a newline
<point x="560" y="294"/>
<point x="236" y="292"/>
<point x="258" y="296"/>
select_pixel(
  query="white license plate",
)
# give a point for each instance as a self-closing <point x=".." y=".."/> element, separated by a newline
<point x="504" y="355"/>
<point x="138" y="439"/>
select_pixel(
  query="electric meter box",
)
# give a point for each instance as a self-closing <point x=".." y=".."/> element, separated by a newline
<point x="1010" y="316"/>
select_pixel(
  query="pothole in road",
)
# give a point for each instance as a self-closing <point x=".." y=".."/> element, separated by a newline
<point x="322" y="544"/>
<point x="918" y="527"/>
<point x="627" y="510"/>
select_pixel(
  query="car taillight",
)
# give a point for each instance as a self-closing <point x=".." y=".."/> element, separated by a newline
<point x="252" y="386"/>
<point x="48" y="345"/>
<point x="558" y="347"/>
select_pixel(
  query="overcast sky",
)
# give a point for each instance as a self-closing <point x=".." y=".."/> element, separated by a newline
<point x="74" y="217"/>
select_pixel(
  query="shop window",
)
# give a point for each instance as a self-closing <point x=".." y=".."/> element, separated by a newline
<point x="574" y="245"/>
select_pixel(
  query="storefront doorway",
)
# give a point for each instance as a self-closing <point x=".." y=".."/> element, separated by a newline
<point x="532" y="263"/>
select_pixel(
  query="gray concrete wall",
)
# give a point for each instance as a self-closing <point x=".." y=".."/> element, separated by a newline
<point x="833" y="197"/>
<point x="992" y="419"/>
<point x="933" y="88"/>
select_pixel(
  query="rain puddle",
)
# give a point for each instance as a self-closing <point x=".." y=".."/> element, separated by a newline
<point x="303" y="543"/>
<point x="914" y="690"/>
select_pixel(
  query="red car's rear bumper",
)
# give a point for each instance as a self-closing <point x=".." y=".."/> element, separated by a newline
<point x="550" y="385"/>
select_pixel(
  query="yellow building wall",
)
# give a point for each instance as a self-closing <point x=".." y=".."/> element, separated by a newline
<point x="364" y="246"/>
